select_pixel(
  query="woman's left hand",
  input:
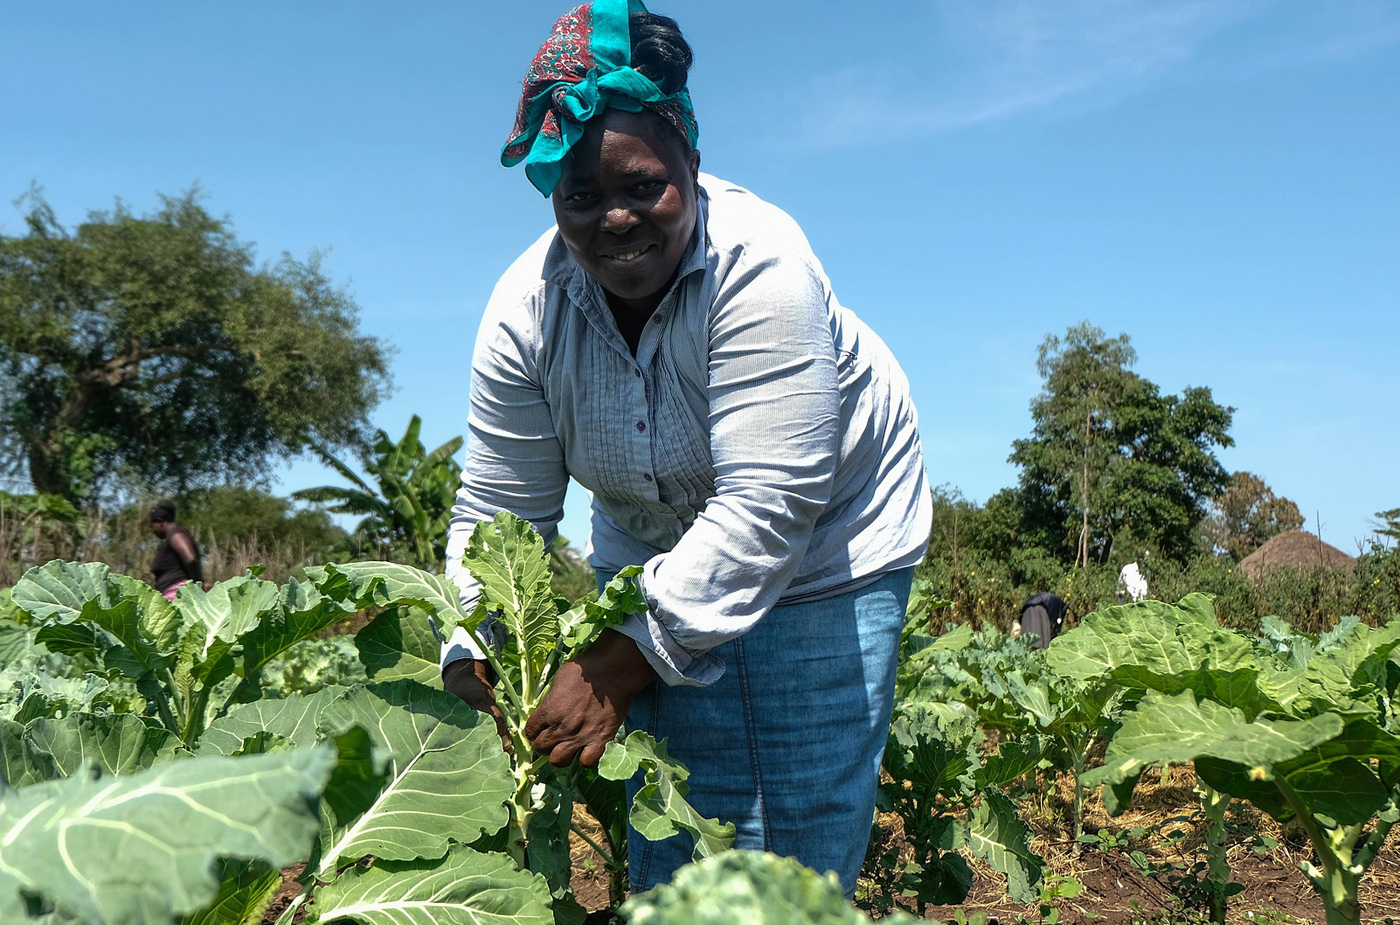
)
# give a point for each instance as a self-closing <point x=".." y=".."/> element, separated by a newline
<point x="588" y="701"/>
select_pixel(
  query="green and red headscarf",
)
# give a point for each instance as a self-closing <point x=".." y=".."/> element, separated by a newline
<point x="584" y="69"/>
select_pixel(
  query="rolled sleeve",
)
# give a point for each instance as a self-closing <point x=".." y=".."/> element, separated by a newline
<point x="774" y="426"/>
<point x="673" y="664"/>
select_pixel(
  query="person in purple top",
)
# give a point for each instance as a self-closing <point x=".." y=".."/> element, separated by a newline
<point x="177" y="560"/>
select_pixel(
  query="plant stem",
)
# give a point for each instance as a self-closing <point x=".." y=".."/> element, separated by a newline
<point x="602" y="852"/>
<point x="1215" y="804"/>
<point x="1337" y="882"/>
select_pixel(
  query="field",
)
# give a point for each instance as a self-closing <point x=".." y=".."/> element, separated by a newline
<point x="1151" y="765"/>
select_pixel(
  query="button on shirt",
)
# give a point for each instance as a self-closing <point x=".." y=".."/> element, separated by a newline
<point x="760" y="448"/>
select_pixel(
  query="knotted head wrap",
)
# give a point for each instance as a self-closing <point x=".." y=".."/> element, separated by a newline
<point x="584" y="69"/>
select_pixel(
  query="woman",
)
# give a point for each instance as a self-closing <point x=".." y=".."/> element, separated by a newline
<point x="177" y="559"/>
<point x="674" y="346"/>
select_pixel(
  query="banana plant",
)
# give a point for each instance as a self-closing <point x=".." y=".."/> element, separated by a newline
<point x="407" y="509"/>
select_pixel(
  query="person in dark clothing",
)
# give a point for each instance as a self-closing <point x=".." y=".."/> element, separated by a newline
<point x="1043" y="616"/>
<point x="177" y="559"/>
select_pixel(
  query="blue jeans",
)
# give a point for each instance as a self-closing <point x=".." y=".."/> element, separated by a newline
<point x="787" y="744"/>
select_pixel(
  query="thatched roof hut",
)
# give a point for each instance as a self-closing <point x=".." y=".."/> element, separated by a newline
<point x="1294" y="549"/>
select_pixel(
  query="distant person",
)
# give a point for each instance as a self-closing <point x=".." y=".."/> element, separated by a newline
<point x="1042" y="616"/>
<point x="1132" y="585"/>
<point x="177" y="559"/>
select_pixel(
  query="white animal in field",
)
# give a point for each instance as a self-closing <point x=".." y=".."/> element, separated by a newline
<point x="1132" y="586"/>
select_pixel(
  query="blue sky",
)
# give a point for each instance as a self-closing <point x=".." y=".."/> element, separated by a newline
<point x="1219" y="179"/>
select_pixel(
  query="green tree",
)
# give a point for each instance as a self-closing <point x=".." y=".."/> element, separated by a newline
<point x="152" y="350"/>
<point x="1388" y="523"/>
<point x="1247" y="514"/>
<point x="407" y="509"/>
<point x="1111" y="458"/>
<point x="242" y="514"/>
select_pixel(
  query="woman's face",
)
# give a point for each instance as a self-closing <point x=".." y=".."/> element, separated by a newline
<point x="625" y="205"/>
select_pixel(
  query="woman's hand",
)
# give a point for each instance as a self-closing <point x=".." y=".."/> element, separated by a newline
<point x="470" y="680"/>
<point x="588" y="701"/>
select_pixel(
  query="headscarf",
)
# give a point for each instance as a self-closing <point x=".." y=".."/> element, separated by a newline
<point x="584" y="68"/>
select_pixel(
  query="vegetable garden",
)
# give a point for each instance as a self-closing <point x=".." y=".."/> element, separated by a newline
<point x="217" y="760"/>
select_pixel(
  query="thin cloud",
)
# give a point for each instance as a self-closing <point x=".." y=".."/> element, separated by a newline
<point x="991" y="61"/>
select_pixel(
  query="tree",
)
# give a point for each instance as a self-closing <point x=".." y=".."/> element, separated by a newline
<point x="241" y="514"/>
<point x="151" y="350"/>
<point x="406" y="512"/>
<point x="1111" y="458"/>
<point x="1388" y="523"/>
<point x="1247" y="514"/>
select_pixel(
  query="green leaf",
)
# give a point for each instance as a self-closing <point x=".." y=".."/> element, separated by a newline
<point x="142" y="848"/>
<point x="217" y="619"/>
<point x="751" y="887"/>
<point x="935" y="752"/>
<point x="1345" y="791"/>
<point x="945" y="881"/>
<point x="998" y="835"/>
<point x="160" y="621"/>
<point x="116" y="744"/>
<point x="400" y="643"/>
<point x="580" y="625"/>
<point x="296" y="719"/>
<point x="1152" y="645"/>
<point x="35" y="691"/>
<point x="246" y="889"/>
<point x="659" y="809"/>
<point x="57" y="591"/>
<point x="1337" y="676"/>
<point x="448" y="777"/>
<point x="507" y="557"/>
<point x="14" y="759"/>
<point x="464" y="888"/>
<point x="302" y="611"/>
<point x="1014" y="759"/>
<point x="16" y="641"/>
<point x="1177" y="729"/>
<point x="381" y="584"/>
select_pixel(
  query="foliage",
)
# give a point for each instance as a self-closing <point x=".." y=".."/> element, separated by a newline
<point x="167" y="825"/>
<point x="190" y="660"/>
<point x="151" y="350"/>
<point x="1005" y="683"/>
<point x="752" y="887"/>
<point x="1247" y="514"/>
<point x="456" y="829"/>
<point x="312" y="665"/>
<point x="946" y="794"/>
<point x="240" y="514"/>
<point x="539" y="633"/>
<point x="31" y="526"/>
<point x="1388" y="523"/>
<point x="1111" y="459"/>
<point x="1301" y="726"/>
<point x="406" y="511"/>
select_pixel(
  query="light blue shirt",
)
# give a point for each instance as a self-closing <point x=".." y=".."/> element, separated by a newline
<point x="760" y="448"/>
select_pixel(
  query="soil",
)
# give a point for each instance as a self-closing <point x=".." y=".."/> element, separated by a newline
<point x="1115" y="891"/>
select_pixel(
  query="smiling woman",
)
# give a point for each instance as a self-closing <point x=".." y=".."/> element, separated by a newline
<point x="625" y="207"/>
<point x="675" y="347"/>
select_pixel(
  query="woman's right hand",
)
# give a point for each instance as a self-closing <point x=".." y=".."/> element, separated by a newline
<point x="470" y="680"/>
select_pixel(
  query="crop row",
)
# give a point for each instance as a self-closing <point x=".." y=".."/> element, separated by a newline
<point x="144" y="730"/>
